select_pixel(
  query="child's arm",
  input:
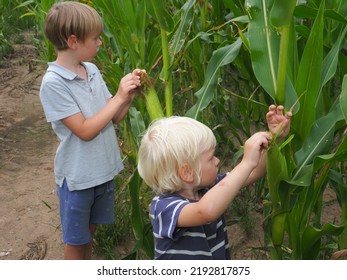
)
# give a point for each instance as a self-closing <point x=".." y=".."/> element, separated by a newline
<point x="116" y="108"/>
<point x="215" y="202"/>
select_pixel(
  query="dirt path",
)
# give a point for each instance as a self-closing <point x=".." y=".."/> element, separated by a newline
<point x="29" y="218"/>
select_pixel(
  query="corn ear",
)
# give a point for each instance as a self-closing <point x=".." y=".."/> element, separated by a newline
<point x="277" y="170"/>
<point x="277" y="232"/>
<point x="153" y="105"/>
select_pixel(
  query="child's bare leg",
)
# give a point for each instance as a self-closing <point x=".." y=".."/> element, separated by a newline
<point x="73" y="252"/>
<point x="88" y="252"/>
<point x="80" y="252"/>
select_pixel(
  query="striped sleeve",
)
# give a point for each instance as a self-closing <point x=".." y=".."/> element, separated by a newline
<point x="164" y="213"/>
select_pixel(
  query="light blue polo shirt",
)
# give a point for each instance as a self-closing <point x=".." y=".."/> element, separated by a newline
<point x="84" y="164"/>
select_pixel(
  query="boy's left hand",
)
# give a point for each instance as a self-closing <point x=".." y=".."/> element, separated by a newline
<point x="128" y="85"/>
<point x="278" y="123"/>
<point x="137" y="75"/>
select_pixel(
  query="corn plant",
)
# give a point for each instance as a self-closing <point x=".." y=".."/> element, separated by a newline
<point x="294" y="61"/>
<point x="38" y="10"/>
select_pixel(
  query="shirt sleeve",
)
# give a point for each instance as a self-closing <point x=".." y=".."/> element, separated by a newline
<point x="56" y="99"/>
<point x="166" y="213"/>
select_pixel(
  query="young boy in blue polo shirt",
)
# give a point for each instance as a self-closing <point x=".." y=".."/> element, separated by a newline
<point x="81" y="110"/>
<point x="177" y="160"/>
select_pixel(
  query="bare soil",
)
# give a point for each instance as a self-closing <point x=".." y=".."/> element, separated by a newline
<point x="29" y="214"/>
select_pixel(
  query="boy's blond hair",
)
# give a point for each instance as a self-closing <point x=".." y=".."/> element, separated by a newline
<point x="168" y="144"/>
<point x="71" y="18"/>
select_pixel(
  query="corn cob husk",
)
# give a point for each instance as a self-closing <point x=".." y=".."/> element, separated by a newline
<point x="153" y="105"/>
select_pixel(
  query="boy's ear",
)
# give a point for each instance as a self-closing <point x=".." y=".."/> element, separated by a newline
<point x="186" y="173"/>
<point x="72" y="41"/>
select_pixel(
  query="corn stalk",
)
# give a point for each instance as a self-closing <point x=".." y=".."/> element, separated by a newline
<point x="166" y="25"/>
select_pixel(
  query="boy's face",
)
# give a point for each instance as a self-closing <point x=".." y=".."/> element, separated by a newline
<point x="209" y="168"/>
<point x="90" y="47"/>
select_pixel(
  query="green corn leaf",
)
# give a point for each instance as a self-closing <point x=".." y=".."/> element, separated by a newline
<point x="154" y="51"/>
<point x="282" y="13"/>
<point x="304" y="178"/>
<point x="339" y="156"/>
<point x="309" y="73"/>
<point x="158" y="10"/>
<point x="331" y="60"/>
<point x="343" y="97"/>
<point x="319" y="139"/>
<point x="322" y="168"/>
<point x="137" y="124"/>
<point x="130" y="147"/>
<point x="303" y="11"/>
<point x="235" y="6"/>
<point x="221" y="57"/>
<point x="330" y="65"/>
<point x="136" y="209"/>
<point x="204" y="36"/>
<point x="244" y="39"/>
<point x="178" y="39"/>
<point x="311" y="239"/>
<point x="146" y="244"/>
<point x="318" y="142"/>
<point x="340" y="187"/>
<point x="264" y="43"/>
<point x="124" y="23"/>
<point x="142" y="231"/>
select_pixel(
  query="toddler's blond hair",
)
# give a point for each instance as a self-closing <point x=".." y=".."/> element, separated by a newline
<point x="168" y="144"/>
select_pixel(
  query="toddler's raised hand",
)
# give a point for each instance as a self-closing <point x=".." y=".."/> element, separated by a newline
<point x="278" y="123"/>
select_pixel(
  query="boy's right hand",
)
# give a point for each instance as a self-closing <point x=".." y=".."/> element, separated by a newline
<point x="254" y="147"/>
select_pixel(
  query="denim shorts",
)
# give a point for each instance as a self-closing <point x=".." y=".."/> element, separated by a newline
<point x="79" y="209"/>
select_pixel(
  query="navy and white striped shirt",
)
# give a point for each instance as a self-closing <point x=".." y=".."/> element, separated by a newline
<point x="206" y="242"/>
